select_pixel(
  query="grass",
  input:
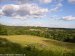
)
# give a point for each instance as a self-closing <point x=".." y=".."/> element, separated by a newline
<point x="43" y="46"/>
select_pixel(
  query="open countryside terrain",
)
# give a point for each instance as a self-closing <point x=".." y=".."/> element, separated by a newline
<point x="37" y="41"/>
<point x="37" y="27"/>
<point x="45" y="47"/>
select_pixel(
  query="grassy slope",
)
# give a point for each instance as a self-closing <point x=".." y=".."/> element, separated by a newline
<point x="41" y="43"/>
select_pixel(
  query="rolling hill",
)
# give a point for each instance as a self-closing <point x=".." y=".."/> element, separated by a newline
<point x="38" y="46"/>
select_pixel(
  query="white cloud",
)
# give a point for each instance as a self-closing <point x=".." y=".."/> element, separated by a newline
<point x="1" y="13"/>
<point x="9" y="10"/>
<point x="46" y="1"/>
<point x="23" y="10"/>
<point x="57" y="7"/>
<point x="69" y="18"/>
<point x="71" y="1"/>
<point x="27" y="1"/>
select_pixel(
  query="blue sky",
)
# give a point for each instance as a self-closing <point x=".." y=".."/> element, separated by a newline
<point x="45" y="13"/>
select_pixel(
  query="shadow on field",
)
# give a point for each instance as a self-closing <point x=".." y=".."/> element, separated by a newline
<point x="8" y="47"/>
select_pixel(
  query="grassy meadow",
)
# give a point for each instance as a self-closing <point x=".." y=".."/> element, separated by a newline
<point x="35" y="46"/>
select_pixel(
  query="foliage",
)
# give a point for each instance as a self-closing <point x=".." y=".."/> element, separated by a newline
<point x="61" y="34"/>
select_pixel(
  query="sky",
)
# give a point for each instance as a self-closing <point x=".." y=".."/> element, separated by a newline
<point x="44" y="13"/>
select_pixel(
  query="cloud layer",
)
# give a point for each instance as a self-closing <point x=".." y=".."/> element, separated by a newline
<point x="27" y="8"/>
<point x="69" y="18"/>
<point x="28" y="1"/>
<point x="57" y="8"/>
<point x="71" y="1"/>
<point x="46" y="1"/>
<point x="23" y="10"/>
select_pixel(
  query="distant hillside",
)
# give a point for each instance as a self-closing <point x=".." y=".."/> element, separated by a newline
<point x="61" y="34"/>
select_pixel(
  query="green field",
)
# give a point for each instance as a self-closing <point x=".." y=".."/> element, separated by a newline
<point x="33" y="45"/>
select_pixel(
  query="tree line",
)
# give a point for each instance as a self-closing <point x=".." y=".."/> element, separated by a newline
<point x="61" y="34"/>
